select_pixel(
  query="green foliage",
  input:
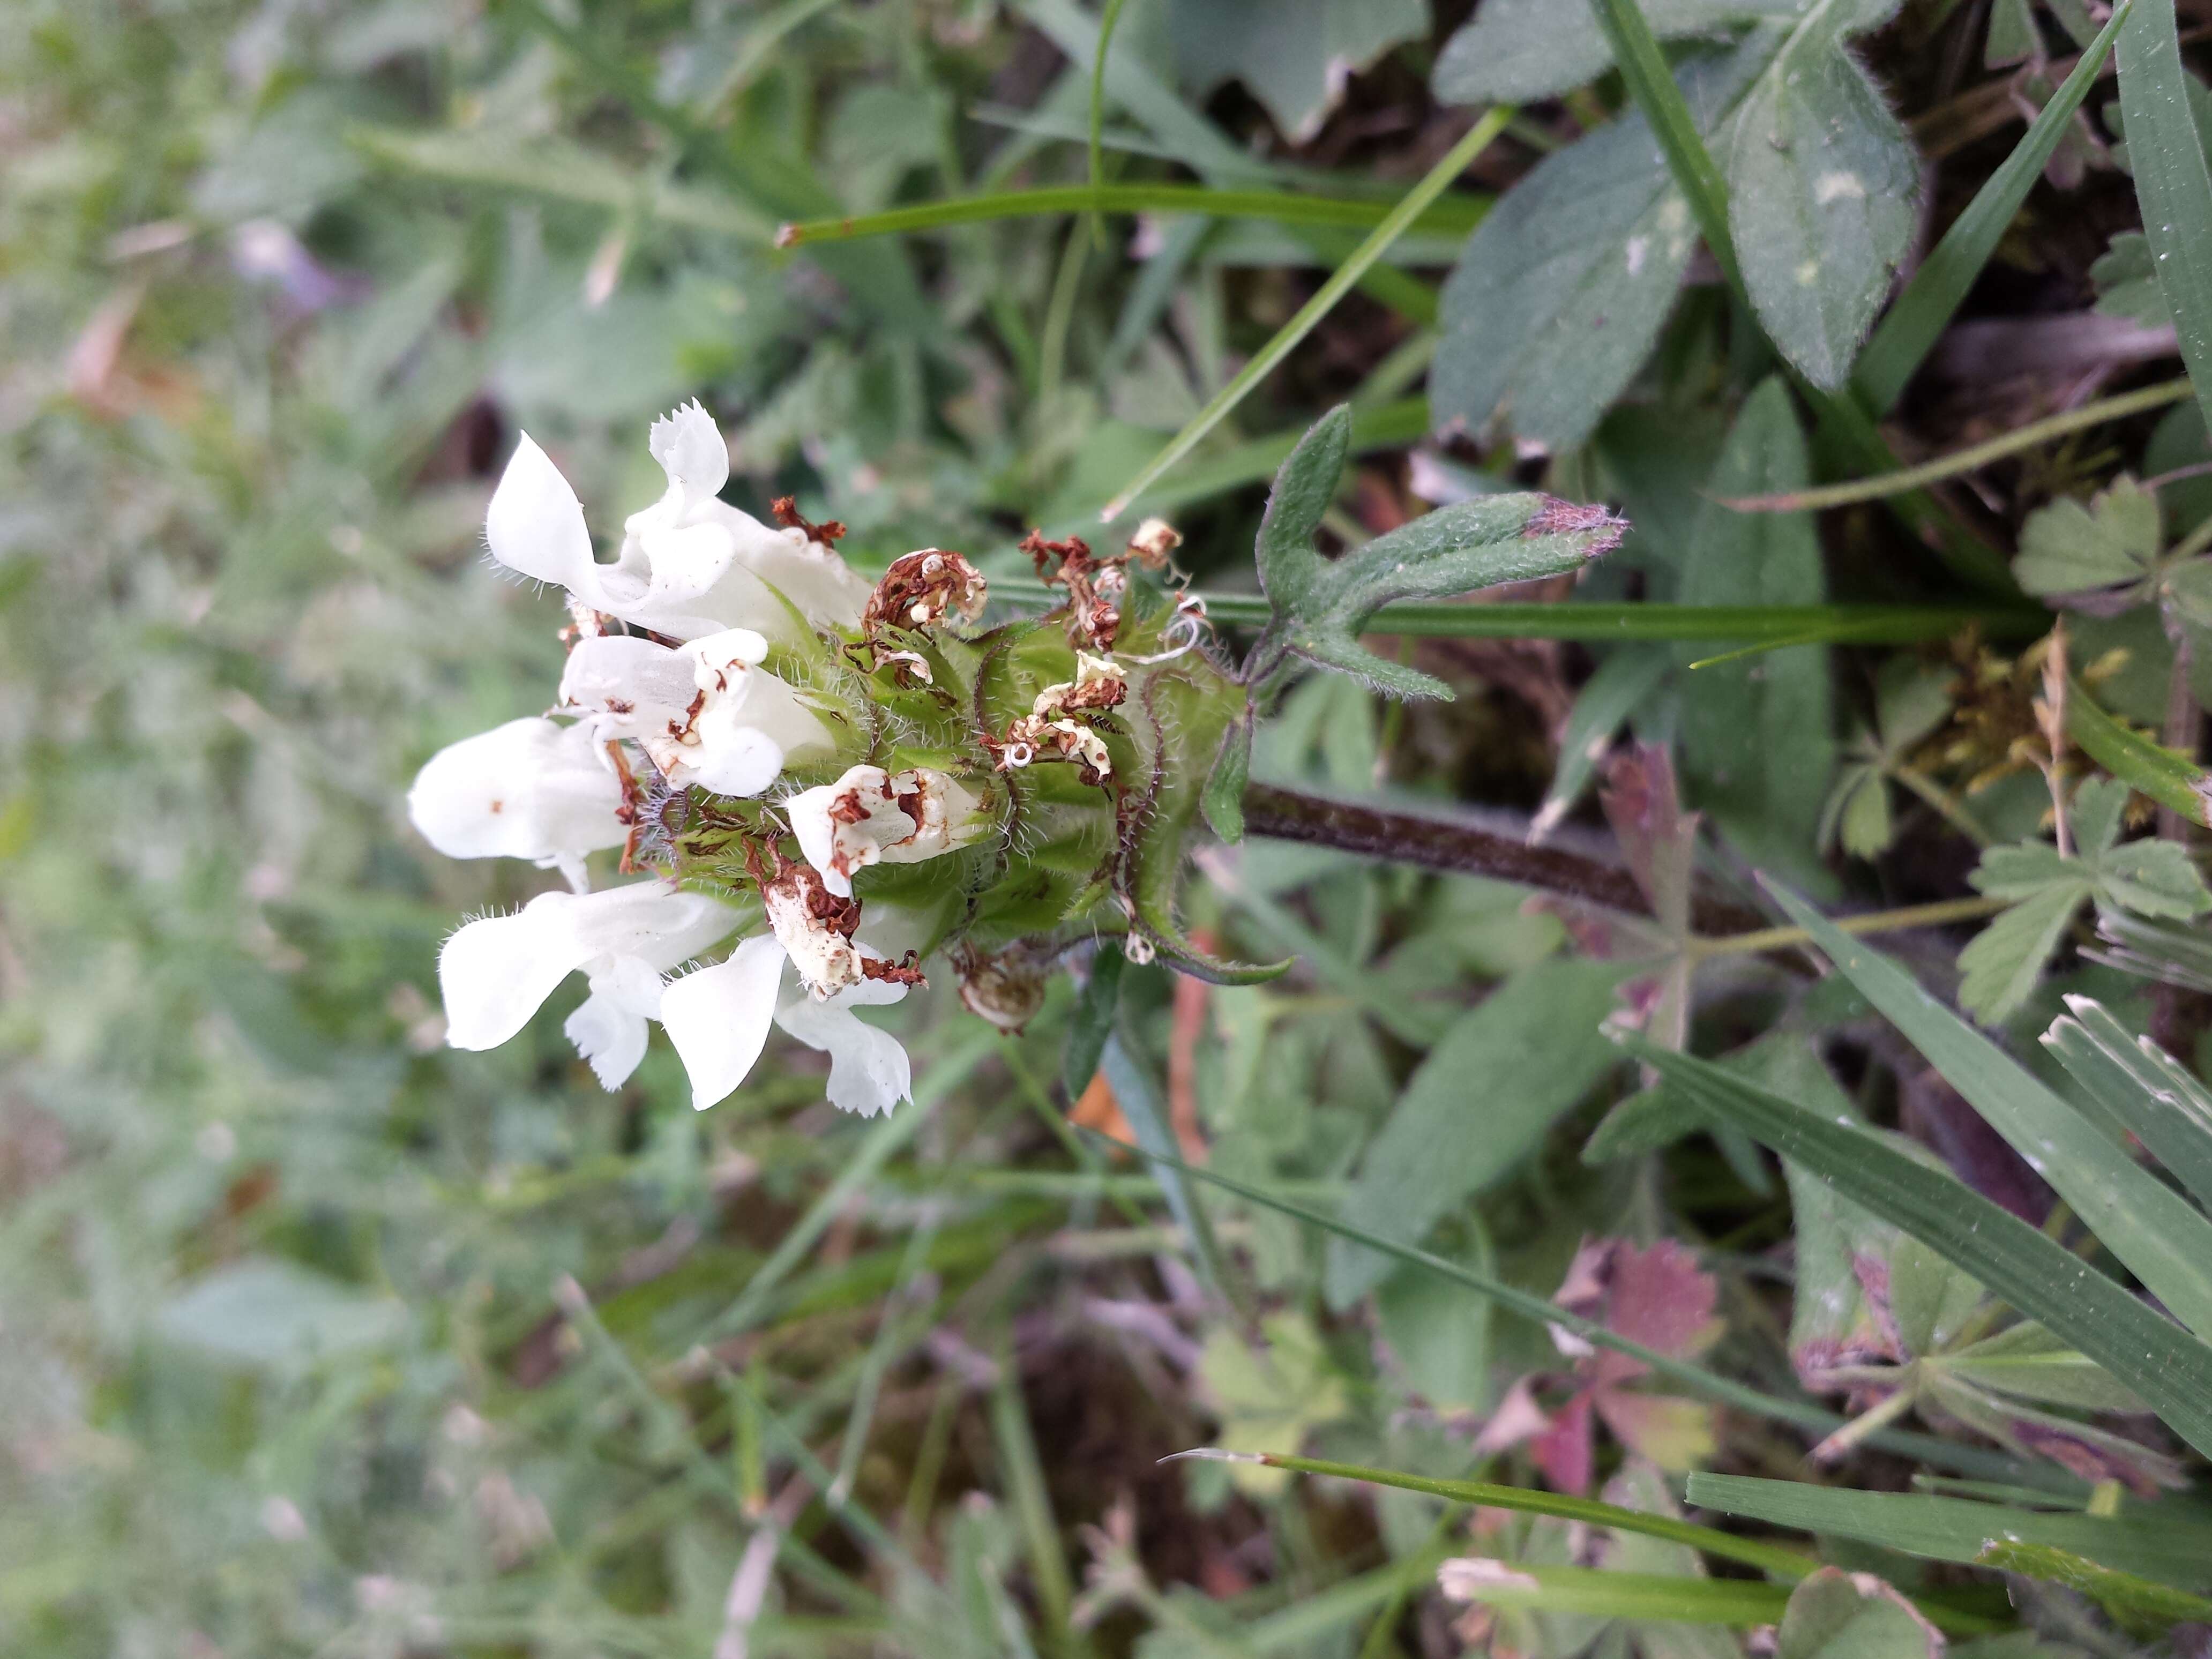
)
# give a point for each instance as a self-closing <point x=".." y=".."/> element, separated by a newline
<point x="1758" y="747"/>
<point x="317" y="1337"/>
<point x="2045" y="890"/>
<point x="1838" y="1616"/>
<point x="1318" y="606"/>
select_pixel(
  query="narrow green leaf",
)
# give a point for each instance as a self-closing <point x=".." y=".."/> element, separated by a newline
<point x="1774" y="1559"/>
<point x="1321" y="606"/>
<point x="2167" y="1542"/>
<point x="1624" y="683"/>
<point x="1140" y="1103"/>
<point x="1263" y="362"/>
<point x="1092" y="1022"/>
<point x="2171" y="779"/>
<point x="1644" y="68"/>
<point x="1452" y="216"/>
<point x="2138" y="1605"/>
<point x="1910" y="331"/>
<point x="1304" y="488"/>
<point x="1596" y="1593"/>
<point x="1705" y="1384"/>
<point x="1972" y="458"/>
<point x="2172" y="182"/>
<point x="2142" y="1221"/>
<point x="2140" y="1088"/>
<point x="2164" y="1363"/>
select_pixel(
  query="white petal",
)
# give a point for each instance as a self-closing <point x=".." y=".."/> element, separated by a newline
<point x="847" y="825"/>
<point x="717" y="651"/>
<point x="497" y="972"/>
<point x="691" y="449"/>
<point x="536" y="523"/>
<point x="718" y="1017"/>
<point x="659" y="925"/>
<point x="736" y="760"/>
<point x="869" y="1072"/>
<point x="529" y="789"/>
<point x="609" y="1035"/>
<point x="627" y="687"/>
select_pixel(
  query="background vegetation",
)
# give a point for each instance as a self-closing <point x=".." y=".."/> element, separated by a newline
<point x="317" y="1338"/>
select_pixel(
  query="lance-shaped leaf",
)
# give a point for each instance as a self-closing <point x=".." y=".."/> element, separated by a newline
<point x="1836" y="1614"/>
<point x="1320" y="604"/>
<point x="2166" y="1366"/>
<point x="1822" y="182"/>
<point x="2152" y="1229"/>
<point x="2167" y="1542"/>
<point x="2139" y="1089"/>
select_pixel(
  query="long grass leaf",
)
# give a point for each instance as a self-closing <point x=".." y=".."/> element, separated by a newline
<point x="1604" y="623"/>
<point x="2167" y="776"/>
<point x="1782" y="1562"/>
<point x="2168" y="1367"/>
<point x="2173" y="1547"/>
<point x="1452" y="217"/>
<point x="1905" y="337"/>
<point x="2138" y="1218"/>
<point x="1644" y="71"/>
<point x="2172" y="183"/>
<point x="1709" y="1384"/>
<point x="2144" y="1090"/>
<point x="1264" y="362"/>
<point x="1970" y="459"/>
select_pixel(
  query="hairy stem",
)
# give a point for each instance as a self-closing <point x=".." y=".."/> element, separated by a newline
<point x="1440" y="844"/>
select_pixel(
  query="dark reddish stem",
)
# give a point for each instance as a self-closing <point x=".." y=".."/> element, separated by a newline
<point x="1440" y="844"/>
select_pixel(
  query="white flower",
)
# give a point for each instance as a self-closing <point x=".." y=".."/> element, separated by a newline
<point x="705" y="714"/>
<point x="497" y="972"/>
<point x="690" y="564"/>
<point x="530" y="789"/>
<point x="718" y="1017"/>
<point x="870" y="815"/>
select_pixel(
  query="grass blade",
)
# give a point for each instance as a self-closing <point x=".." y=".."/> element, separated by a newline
<point x="1264" y="362"/>
<point x="1711" y="1385"/>
<point x="2176" y="1548"/>
<point x="2167" y="776"/>
<point x="2138" y="1218"/>
<point x="1594" y="1593"/>
<point x="1643" y="69"/>
<point x="1604" y="623"/>
<point x="1107" y="21"/>
<point x="2172" y="182"/>
<point x="2168" y="1367"/>
<point x="2142" y="1088"/>
<point x="1885" y="484"/>
<point x="1776" y="1559"/>
<point x="1452" y="216"/>
<point x="1905" y="337"/>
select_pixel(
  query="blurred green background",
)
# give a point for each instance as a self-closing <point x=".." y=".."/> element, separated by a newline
<point x="281" y="1370"/>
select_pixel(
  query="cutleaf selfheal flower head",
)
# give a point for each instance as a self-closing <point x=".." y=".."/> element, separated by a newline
<point x="815" y="788"/>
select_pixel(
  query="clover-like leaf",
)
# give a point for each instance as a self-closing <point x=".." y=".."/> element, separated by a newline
<point x="2067" y="548"/>
<point x="2151" y="878"/>
<point x="1320" y="604"/>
